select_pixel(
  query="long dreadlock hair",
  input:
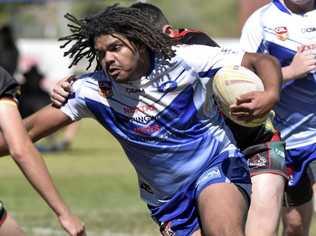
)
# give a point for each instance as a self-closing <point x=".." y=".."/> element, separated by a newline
<point x="126" y="21"/>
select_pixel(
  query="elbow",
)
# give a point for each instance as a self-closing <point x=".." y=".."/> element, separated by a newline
<point x="17" y="154"/>
<point x="268" y="60"/>
<point x="20" y="153"/>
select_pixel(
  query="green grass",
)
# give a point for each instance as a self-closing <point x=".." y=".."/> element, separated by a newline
<point x="95" y="179"/>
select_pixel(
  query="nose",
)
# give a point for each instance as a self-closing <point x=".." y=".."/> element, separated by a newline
<point x="109" y="58"/>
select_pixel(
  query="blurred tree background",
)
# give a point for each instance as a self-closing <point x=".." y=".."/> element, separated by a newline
<point x="44" y="18"/>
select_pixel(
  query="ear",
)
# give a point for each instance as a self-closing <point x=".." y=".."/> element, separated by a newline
<point x="167" y="29"/>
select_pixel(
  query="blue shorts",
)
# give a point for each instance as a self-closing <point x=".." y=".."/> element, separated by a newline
<point x="297" y="160"/>
<point x="179" y="215"/>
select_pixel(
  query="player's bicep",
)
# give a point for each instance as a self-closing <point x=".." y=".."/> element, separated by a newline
<point x="13" y="132"/>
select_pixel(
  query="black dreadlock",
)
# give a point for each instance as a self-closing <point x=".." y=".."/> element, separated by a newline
<point x="126" y="21"/>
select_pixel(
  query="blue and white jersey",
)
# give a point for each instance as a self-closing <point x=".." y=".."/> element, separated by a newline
<point x="166" y="121"/>
<point x="275" y="30"/>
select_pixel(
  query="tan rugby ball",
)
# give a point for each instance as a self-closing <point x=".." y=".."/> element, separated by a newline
<point x="229" y="83"/>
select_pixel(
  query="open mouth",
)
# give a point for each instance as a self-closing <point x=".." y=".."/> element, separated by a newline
<point x="113" y="72"/>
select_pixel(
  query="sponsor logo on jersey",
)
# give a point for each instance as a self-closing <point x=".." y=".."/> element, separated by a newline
<point x="309" y="30"/>
<point x="142" y="119"/>
<point x="281" y="32"/>
<point x="228" y="51"/>
<point x="147" y="129"/>
<point x="134" y="90"/>
<point x="258" y="161"/>
<point x="141" y="108"/>
<point x="167" y="86"/>
<point x="210" y="174"/>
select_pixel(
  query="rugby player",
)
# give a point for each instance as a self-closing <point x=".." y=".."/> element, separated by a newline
<point x="291" y="39"/>
<point x="156" y="100"/>
<point x="262" y="146"/>
<point x="29" y="161"/>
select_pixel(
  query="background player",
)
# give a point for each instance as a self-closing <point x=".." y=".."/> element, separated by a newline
<point x="292" y="40"/>
<point x="29" y="161"/>
<point x="261" y="144"/>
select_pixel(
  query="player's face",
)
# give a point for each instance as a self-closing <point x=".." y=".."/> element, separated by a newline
<point x="119" y="58"/>
<point x="301" y="2"/>
<point x="300" y="6"/>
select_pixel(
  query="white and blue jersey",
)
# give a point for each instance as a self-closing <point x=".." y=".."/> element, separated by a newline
<point x="166" y="121"/>
<point x="275" y="30"/>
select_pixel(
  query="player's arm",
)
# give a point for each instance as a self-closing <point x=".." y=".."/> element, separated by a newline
<point x="303" y="62"/>
<point x="257" y="104"/>
<point x="40" y="124"/>
<point x="61" y="91"/>
<point x="32" y="165"/>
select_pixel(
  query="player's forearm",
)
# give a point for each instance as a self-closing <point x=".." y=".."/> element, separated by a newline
<point x="269" y="70"/>
<point x="28" y="159"/>
<point x="35" y="170"/>
<point x="289" y="73"/>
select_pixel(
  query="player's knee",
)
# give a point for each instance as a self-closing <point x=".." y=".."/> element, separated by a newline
<point x="293" y="229"/>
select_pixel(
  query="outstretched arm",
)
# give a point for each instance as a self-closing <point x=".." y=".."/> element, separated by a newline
<point x="31" y="163"/>
<point x="40" y="124"/>
<point x="257" y="104"/>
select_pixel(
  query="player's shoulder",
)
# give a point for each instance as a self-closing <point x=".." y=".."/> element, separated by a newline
<point x="8" y="85"/>
<point x="89" y="80"/>
<point x="5" y="77"/>
<point x="267" y="11"/>
<point x="191" y="52"/>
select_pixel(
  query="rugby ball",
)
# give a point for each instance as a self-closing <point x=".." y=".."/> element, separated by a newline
<point x="229" y="83"/>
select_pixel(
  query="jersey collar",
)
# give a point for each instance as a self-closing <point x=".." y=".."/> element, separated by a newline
<point x="281" y="6"/>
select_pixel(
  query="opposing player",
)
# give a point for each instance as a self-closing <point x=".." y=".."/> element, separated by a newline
<point x="29" y="161"/>
<point x="156" y="99"/>
<point x="292" y="40"/>
<point x="261" y="144"/>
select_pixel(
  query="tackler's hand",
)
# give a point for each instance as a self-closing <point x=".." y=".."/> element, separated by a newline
<point x="61" y="91"/>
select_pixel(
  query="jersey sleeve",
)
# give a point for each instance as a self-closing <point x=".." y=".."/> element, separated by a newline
<point x="205" y="59"/>
<point x="252" y="33"/>
<point x="9" y="87"/>
<point x="75" y="107"/>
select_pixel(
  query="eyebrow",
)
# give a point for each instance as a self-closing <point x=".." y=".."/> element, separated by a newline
<point x="115" y="40"/>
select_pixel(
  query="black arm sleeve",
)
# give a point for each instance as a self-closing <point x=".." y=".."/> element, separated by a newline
<point x="9" y="87"/>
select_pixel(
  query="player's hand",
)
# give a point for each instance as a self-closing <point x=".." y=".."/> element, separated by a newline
<point x="61" y="91"/>
<point x="253" y="105"/>
<point x="303" y="62"/>
<point x="72" y="225"/>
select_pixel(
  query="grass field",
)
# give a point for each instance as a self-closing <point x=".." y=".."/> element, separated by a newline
<point x="96" y="180"/>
